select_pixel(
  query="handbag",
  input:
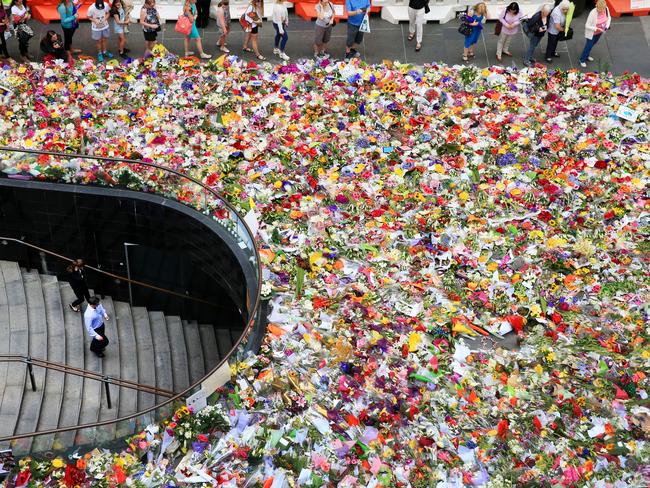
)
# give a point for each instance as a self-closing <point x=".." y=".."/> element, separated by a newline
<point x="245" y="24"/>
<point x="365" y="25"/>
<point x="566" y="35"/>
<point x="184" y="25"/>
<point x="464" y="28"/>
<point x="24" y="32"/>
<point x="499" y="25"/>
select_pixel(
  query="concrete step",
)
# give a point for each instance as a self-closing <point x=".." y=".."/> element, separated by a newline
<point x="4" y="346"/>
<point x="18" y="344"/>
<point x="180" y="370"/>
<point x="194" y="350"/>
<point x="32" y="400"/>
<point x="128" y="357"/>
<point x="163" y="356"/>
<point x="54" y="386"/>
<point x="146" y="372"/>
<point x="211" y="355"/>
<point x="224" y="341"/>
<point x="76" y="341"/>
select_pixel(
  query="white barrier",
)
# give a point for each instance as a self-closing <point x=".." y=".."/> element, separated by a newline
<point x="441" y="11"/>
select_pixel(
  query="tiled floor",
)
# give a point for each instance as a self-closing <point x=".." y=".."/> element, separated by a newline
<point x="626" y="47"/>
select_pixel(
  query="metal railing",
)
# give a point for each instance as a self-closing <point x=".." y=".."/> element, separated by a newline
<point x="76" y="169"/>
<point x="30" y="362"/>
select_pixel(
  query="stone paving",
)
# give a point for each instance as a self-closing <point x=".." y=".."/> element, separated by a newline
<point x="625" y="47"/>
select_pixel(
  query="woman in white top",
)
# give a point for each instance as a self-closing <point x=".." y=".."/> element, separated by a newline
<point x="323" y="28"/>
<point x="253" y="15"/>
<point x="280" y="23"/>
<point x="598" y="22"/>
<point x="20" y="16"/>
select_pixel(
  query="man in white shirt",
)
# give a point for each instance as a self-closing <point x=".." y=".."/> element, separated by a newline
<point x="98" y="14"/>
<point x="94" y="318"/>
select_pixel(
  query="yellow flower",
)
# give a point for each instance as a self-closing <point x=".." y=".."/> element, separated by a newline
<point x="58" y="463"/>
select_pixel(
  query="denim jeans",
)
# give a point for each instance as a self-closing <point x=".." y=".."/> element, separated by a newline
<point x="533" y="42"/>
<point x="280" y="39"/>
<point x="589" y="44"/>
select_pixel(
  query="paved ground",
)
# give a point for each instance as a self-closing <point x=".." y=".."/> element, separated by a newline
<point x="626" y="47"/>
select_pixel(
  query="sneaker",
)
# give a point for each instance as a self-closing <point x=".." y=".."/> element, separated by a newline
<point x="527" y="63"/>
<point x="284" y="56"/>
<point x="100" y="57"/>
<point x="100" y="354"/>
<point x="126" y="50"/>
<point x="276" y="51"/>
<point x="590" y="59"/>
<point x="556" y="55"/>
<point x="356" y="54"/>
<point x="108" y="55"/>
<point x="205" y="56"/>
<point x="549" y="60"/>
<point x="349" y="55"/>
<point x="224" y="49"/>
<point x="583" y="64"/>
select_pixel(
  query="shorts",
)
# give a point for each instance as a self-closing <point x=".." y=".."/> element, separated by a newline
<point x="355" y="36"/>
<point x="118" y="29"/>
<point x="150" y="36"/>
<point x="254" y="30"/>
<point x="322" y="35"/>
<point x="100" y="34"/>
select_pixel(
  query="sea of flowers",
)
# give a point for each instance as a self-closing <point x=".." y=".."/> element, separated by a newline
<point x="456" y="259"/>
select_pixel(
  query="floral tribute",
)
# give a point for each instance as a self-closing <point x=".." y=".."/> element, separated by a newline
<point x="456" y="261"/>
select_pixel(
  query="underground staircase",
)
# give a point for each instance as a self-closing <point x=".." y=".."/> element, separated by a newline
<point x="147" y="347"/>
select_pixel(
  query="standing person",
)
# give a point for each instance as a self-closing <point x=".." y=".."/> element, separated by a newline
<point x="417" y="10"/>
<point x="20" y="16"/>
<point x="510" y="19"/>
<point x="253" y="15"/>
<point x="323" y="27"/>
<point x="77" y="280"/>
<point x="120" y="21"/>
<point x="556" y="24"/>
<point x="280" y="23"/>
<point x="4" y="25"/>
<point x="535" y="28"/>
<point x="598" y="22"/>
<point x="189" y="10"/>
<point x="356" y="10"/>
<point x="128" y="8"/>
<point x="223" y="21"/>
<point x="475" y="18"/>
<point x="94" y="318"/>
<point x="203" y="15"/>
<point x="98" y="15"/>
<point x="150" y="22"/>
<point x="68" y="12"/>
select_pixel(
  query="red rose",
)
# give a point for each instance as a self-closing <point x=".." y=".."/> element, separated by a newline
<point x="609" y="215"/>
<point x="545" y="215"/>
<point x="600" y="165"/>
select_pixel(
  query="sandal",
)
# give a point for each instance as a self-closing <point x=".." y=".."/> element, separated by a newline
<point x="465" y="58"/>
<point x="247" y="50"/>
<point x="499" y="59"/>
<point x="260" y="57"/>
<point x="507" y="53"/>
<point x="411" y="37"/>
<point x="418" y="47"/>
<point x="471" y="55"/>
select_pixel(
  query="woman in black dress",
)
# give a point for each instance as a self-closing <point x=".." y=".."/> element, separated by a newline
<point x="78" y="283"/>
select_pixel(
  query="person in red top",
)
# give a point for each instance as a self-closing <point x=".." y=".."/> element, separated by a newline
<point x="4" y="24"/>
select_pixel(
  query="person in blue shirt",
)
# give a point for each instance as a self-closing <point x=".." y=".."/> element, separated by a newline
<point x="94" y="318"/>
<point x="476" y="18"/>
<point x="356" y="12"/>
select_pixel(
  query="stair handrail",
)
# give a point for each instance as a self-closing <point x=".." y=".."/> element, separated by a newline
<point x="252" y="314"/>
<point x="85" y="373"/>
<point x="108" y="273"/>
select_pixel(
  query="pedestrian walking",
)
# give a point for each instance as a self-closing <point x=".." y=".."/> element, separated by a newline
<point x="510" y="19"/>
<point x="77" y="280"/>
<point x="253" y="20"/>
<point x="417" y="10"/>
<point x="128" y="8"/>
<point x="357" y="10"/>
<point x="556" y="24"/>
<point x="150" y="22"/>
<point x="535" y="28"/>
<point x="598" y="22"/>
<point x="476" y="19"/>
<point x="4" y="25"/>
<point x="323" y="28"/>
<point x="69" y="15"/>
<point x="203" y="13"/>
<point x="280" y="23"/>
<point x="98" y="14"/>
<point x="189" y="10"/>
<point x="120" y="21"/>
<point x="20" y="16"/>
<point x="223" y="21"/>
<point x="94" y="318"/>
